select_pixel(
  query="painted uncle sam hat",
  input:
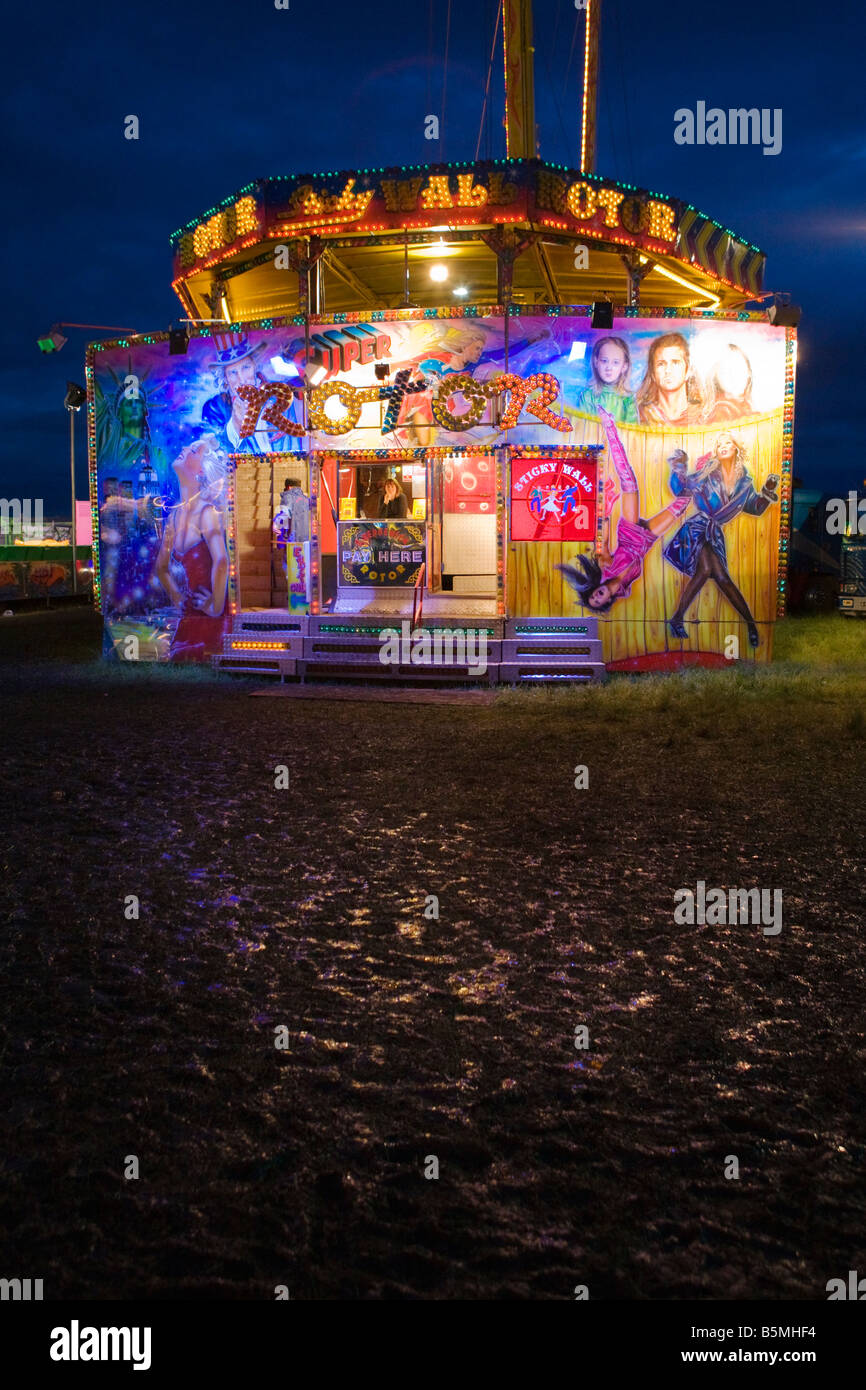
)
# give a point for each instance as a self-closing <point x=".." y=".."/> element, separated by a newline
<point x="231" y="347"/>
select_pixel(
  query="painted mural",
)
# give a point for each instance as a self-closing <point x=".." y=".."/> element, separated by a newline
<point x="689" y="413"/>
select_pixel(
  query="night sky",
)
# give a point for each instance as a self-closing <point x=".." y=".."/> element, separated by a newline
<point x="226" y="93"/>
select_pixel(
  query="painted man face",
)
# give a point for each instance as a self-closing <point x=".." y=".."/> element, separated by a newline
<point x="241" y="373"/>
<point x="670" y="369"/>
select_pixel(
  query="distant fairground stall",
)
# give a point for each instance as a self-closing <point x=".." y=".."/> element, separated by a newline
<point x="503" y="397"/>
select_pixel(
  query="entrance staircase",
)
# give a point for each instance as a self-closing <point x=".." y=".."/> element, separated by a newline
<point x="347" y="647"/>
<point x="551" y="649"/>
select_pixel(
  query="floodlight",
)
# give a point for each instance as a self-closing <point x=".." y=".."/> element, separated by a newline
<point x="53" y="340"/>
<point x="784" y="315"/>
<point x="75" y="396"/>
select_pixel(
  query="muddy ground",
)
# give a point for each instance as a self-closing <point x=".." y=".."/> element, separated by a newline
<point x="411" y="1038"/>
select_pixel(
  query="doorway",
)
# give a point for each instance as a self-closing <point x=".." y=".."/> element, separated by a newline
<point x="463" y="522"/>
<point x="260" y="482"/>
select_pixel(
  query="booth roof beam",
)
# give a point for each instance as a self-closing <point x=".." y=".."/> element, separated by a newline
<point x="185" y="295"/>
<point x="349" y="278"/>
<point x="547" y="272"/>
<point x="635" y="273"/>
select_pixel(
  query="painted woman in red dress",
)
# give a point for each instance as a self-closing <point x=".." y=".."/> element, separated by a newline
<point x="194" y="541"/>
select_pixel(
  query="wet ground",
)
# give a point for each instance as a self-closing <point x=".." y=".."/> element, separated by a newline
<point x="411" y="1038"/>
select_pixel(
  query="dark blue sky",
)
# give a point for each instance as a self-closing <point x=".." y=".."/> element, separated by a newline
<point x="228" y="92"/>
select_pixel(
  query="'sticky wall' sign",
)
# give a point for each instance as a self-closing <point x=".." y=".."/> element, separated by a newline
<point x="553" y="499"/>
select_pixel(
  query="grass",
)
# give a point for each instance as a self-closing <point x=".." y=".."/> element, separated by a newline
<point x="826" y="641"/>
<point x="818" y="676"/>
<point x="66" y="643"/>
<point x="819" y="665"/>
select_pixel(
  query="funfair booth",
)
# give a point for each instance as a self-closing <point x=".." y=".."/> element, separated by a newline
<point x="503" y="397"/>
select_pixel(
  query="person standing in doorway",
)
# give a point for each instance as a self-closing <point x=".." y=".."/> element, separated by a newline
<point x="291" y="522"/>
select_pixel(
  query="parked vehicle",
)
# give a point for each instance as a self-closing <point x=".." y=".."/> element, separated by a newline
<point x="852" y="588"/>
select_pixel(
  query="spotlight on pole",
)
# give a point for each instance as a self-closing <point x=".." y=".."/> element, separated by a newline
<point x="53" y="340"/>
<point x="178" y="342"/>
<point x="602" y="314"/>
<point x="75" y="396"/>
<point x="74" y="400"/>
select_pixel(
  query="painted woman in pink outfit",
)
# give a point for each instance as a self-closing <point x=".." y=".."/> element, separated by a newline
<point x="600" y="582"/>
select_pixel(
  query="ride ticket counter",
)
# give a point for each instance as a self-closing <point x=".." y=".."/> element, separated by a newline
<point x="449" y="543"/>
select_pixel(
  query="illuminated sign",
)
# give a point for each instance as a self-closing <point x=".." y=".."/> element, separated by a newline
<point x="464" y="195"/>
<point x="521" y="391"/>
<point x="606" y="206"/>
<point x="339" y="350"/>
<point x="553" y="499"/>
<point x="223" y="228"/>
<point x="387" y="554"/>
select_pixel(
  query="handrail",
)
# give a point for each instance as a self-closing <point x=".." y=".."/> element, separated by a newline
<point x="418" y="596"/>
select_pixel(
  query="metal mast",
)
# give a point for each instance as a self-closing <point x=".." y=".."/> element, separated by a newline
<point x="590" y="87"/>
<point x="520" y="142"/>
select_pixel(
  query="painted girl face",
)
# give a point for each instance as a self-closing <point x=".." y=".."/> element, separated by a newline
<point x="611" y="363"/>
<point x="600" y="596"/>
<point x="732" y="373"/>
<point x="725" y="446"/>
<point x="670" y="368"/>
<point x="473" y="349"/>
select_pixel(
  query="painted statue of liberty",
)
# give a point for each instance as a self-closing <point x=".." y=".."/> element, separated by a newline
<point x="600" y="582"/>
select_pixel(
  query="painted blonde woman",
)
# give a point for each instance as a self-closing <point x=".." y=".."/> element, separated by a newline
<point x="193" y="565"/>
<point x="452" y="352"/>
<point x="721" y="488"/>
